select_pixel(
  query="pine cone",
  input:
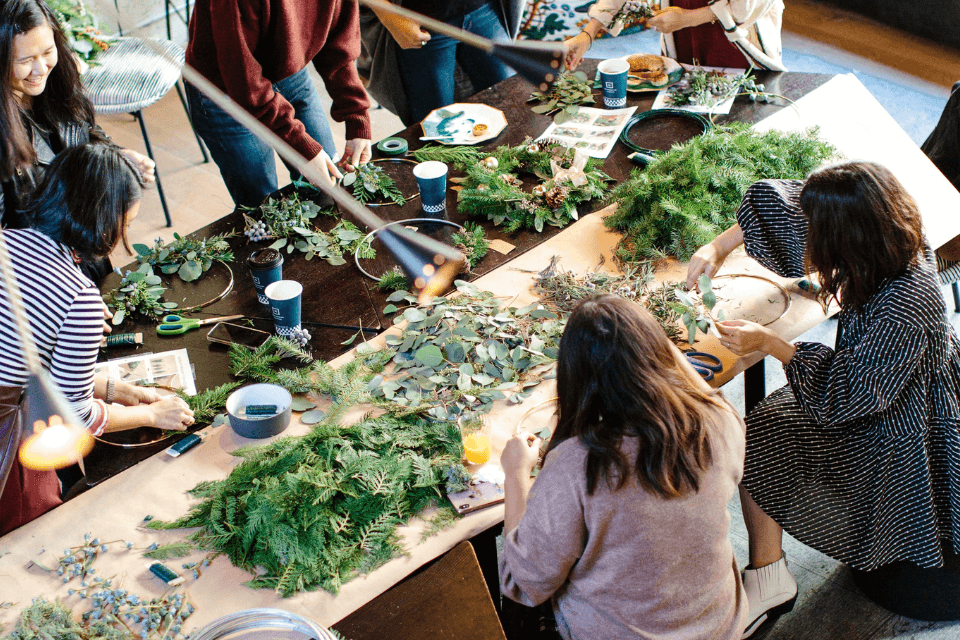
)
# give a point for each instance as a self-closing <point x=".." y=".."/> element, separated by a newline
<point x="557" y="196"/>
<point x="462" y="248"/>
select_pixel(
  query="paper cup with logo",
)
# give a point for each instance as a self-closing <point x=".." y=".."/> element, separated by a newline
<point x="284" y="297"/>
<point x="266" y="267"/>
<point x="432" y="180"/>
<point x="613" y="79"/>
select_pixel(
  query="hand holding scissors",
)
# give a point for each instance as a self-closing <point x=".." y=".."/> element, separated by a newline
<point x="174" y="325"/>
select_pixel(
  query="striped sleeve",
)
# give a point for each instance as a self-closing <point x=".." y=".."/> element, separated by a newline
<point x="774" y="228"/>
<point x="75" y="354"/>
<point x="834" y="387"/>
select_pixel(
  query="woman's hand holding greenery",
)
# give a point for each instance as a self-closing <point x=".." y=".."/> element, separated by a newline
<point x="743" y="337"/>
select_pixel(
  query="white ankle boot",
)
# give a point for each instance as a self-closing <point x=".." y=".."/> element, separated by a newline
<point x="771" y="592"/>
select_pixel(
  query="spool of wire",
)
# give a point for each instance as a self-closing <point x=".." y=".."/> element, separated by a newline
<point x="392" y="146"/>
<point x="652" y="132"/>
<point x="121" y="339"/>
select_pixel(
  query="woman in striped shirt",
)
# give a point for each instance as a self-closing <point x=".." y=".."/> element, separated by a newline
<point x="856" y="456"/>
<point x="80" y="212"/>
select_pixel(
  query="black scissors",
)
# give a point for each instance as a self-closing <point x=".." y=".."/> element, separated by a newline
<point x="705" y="364"/>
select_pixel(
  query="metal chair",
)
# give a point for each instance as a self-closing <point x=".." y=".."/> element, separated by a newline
<point x="130" y="76"/>
<point x="170" y="7"/>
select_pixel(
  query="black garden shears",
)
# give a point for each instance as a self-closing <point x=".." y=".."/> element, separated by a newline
<point x="705" y="364"/>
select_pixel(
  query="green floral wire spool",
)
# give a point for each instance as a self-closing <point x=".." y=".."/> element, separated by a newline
<point x="643" y="155"/>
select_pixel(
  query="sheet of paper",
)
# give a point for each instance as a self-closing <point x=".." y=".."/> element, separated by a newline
<point x="722" y="107"/>
<point x="168" y="369"/>
<point x="594" y="130"/>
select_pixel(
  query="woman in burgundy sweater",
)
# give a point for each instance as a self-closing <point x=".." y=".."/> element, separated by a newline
<point x="257" y="52"/>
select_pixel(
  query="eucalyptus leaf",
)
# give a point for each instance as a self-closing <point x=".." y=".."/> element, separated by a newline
<point x="302" y="404"/>
<point x="312" y="417"/>
<point x="430" y="355"/>
<point x="390" y="308"/>
<point x="190" y="271"/>
<point x="414" y="315"/>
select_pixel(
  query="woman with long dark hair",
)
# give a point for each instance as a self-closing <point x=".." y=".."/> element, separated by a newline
<point x="626" y="525"/>
<point x="65" y="310"/>
<point x="43" y="108"/>
<point x="853" y="456"/>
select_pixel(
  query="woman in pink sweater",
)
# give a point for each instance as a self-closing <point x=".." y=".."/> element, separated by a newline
<point x="626" y="525"/>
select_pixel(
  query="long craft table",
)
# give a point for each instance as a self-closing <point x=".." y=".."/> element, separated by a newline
<point x="157" y="485"/>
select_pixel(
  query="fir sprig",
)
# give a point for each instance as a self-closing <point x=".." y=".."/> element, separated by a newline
<point x="456" y="156"/>
<point x="369" y="181"/>
<point x="208" y="403"/>
<point x="393" y="280"/>
<point x="472" y="242"/>
<point x="688" y="195"/>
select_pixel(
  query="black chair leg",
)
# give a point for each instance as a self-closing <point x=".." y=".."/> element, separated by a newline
<point x="956" y="297"/>
<point x="146" y="140"/>
<point x="183" y="101"/>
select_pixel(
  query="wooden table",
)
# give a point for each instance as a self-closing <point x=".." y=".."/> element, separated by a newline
<point x="157" y="485"/>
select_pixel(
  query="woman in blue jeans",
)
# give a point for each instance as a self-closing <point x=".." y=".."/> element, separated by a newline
<point x="427" y="61"/>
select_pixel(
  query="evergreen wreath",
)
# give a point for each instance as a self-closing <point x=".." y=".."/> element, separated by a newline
<point x="690" y="194"/>
<point x="494" y="189"/>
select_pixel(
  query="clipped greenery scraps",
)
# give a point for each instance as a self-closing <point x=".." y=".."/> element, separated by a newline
<point x="565" y="96"/>
<point x="457" y="355"/>
<point x="690" y="194"/>
<point x="186" y="256"/>
<point x="140" y="291"/>
<point x="393" y="280"/>
<point x="289" y="222"/>
<point x="369" y="181"/>
<point x="471" y="242"/>
<point x="703" y="88"/>
<point x="563" y="290"/>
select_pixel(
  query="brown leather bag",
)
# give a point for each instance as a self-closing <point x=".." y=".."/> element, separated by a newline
<point x="25" y="494"/>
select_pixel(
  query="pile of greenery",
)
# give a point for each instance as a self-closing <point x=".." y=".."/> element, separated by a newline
<point x="317" y="510"/>
<point x="690" y="194"/>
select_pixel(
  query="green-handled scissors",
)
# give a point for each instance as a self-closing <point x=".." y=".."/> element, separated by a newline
<point x="174" y="325"/>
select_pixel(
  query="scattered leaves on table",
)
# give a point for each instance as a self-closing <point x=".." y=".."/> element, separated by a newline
<point x="565" y="96"/>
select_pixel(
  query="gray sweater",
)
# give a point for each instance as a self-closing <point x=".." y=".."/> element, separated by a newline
<point x="629" y="564"/>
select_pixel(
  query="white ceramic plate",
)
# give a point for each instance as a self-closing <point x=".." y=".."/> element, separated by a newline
<point x="454" y="124"/>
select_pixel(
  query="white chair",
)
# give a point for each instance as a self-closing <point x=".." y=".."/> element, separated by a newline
<point x="129" y="77"/>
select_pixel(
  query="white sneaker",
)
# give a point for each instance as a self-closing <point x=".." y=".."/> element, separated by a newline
<point x="771" y="592"/>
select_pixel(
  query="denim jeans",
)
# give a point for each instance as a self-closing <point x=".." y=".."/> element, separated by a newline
<point x="427" y="73"/>
<point x="246" y="164"/>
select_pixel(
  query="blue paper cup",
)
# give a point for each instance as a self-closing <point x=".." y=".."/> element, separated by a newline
<point x="432" y="180"/>
<point x="266" y="267"/>
<point x="613" y="79"/>
<point x="284" y="297"/>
